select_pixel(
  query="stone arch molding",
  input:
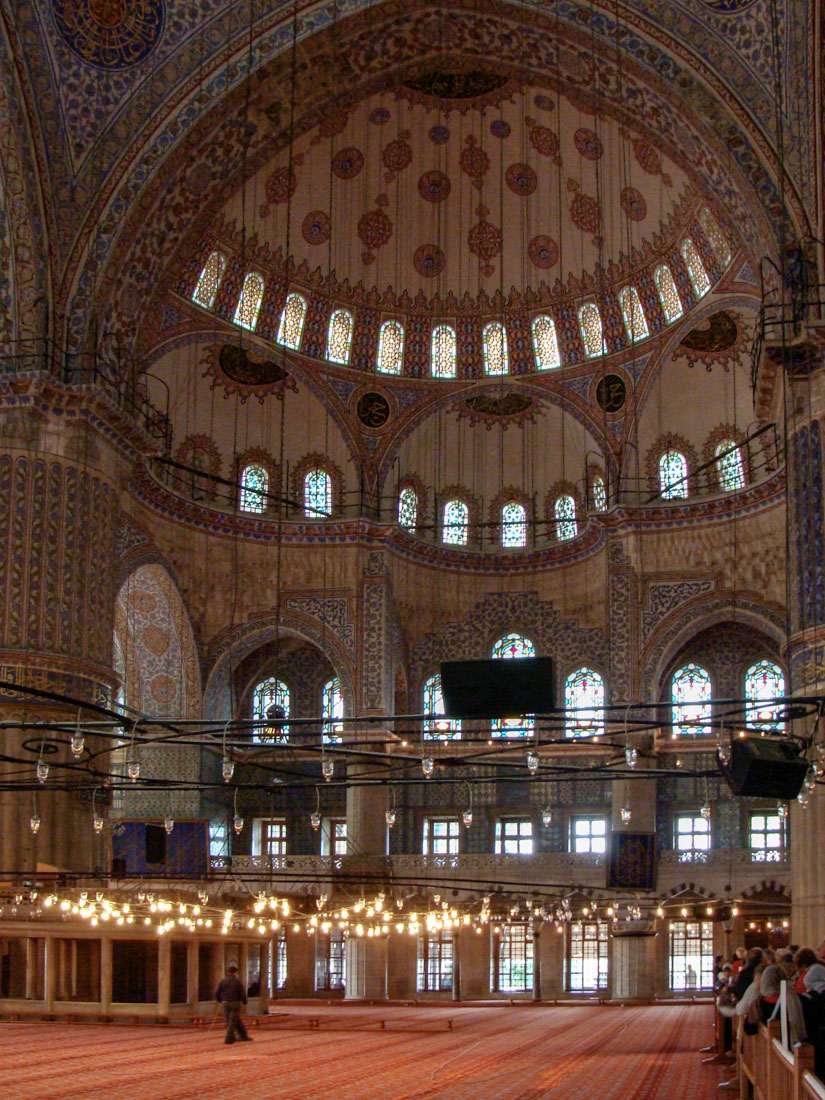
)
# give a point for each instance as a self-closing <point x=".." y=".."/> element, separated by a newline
<point x="156" y="646"/>
<point x="696" y="614"/>
<point x="305" y="618"/>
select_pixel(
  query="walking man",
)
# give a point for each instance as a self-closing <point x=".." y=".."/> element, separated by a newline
<point x="230" y="996"/>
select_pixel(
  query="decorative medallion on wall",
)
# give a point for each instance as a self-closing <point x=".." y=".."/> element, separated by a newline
<point x="373" y="409"/>
<point x="110" y="34"/>
<point x="396" y="156"/>
<point x="484" y="241"/>
<point x="379" y="116"/>
<point x="634" y="204"/>
<point x="429" y="260"/>
<point x="544" y="102"/>
<point x="647" y="157"/>
<point x="347" y="163"/>
<point x="588" y="144"/>
<point x="611" y="393"/>
<point x="439" y="135"/>
<point x="239" y="372"/>
<point x="331" y="126"/>
<point x="521" y="179"/>
<point x="451" y="89"/>
<point x="280" y="186"/>
<point x="584" y="212"/>
<point x="504" y="409"/>
<point x="316" y="227"/>
<point x="543" y="140"/>
<point x="374" y="231"/>
<point x="434" y="186"/>
<point x="543" y="251"/>
<point x="474" y="161"/>
<point x="500" y="129"/>
<point x="716" y="341"/>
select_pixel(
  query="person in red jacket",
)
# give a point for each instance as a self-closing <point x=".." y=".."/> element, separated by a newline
<point x="231" y="995"/>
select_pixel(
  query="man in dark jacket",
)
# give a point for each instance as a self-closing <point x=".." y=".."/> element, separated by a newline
<point x="230" y="995"/>
<point x="745" y="975"/>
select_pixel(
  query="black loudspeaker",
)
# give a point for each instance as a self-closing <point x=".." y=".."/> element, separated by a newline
<point x="765" y="768"/>
<point x="155" y="844"/>
<point x="118" y="867"/>
<point x="498" y="688"/>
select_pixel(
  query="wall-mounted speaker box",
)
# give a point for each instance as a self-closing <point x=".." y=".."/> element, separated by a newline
<point x="498" y="688"/>
<point x="155" y="844"/>
<point x="764" y="768"/>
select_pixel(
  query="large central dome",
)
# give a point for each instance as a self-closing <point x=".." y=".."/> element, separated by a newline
<point x="465" y="182"/>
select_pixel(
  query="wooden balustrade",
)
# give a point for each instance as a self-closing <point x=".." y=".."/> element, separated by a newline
<point x="767" y="1070"/>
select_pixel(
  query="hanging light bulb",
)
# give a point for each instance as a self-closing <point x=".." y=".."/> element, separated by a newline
<point x="705" y="811"/>
<point x="237" y="823"/>
<point x="327" y="768"/>
<point x="77" y="744"/>
<point x="532" y="761"/>
<point x="802" y="797"/>
<point x="169" y="824"/>
<point x="315" y="819"/>
<point x="631" y="756"/>
<point x="227" y="768"/>
<point x="810" y="778"/>
<point x="626" y="815"/>
<point x="42" y="770"/>
<point x="782" y="810"/>
<point x="97" y="823"/>
<point x="547" y="817"/>
<point x="133" y="769"/>
<point x="723" y="751"/>
<point x="34" y="822"/>
<point x="427" y="765"/>
<point x="467" y="817"/>
<point x="389" y="817"/>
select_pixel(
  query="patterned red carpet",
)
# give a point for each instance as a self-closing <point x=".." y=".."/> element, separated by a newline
<point x="525" y="1052"/>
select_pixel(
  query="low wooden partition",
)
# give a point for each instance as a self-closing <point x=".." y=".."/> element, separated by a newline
<point x="769" y="1071"/>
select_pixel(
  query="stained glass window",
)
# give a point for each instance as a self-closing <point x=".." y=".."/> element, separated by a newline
<point x="209" y="280"/>
<point x="598" y="493"/>
<point x="270" y="705"/>
<point x="545" y="343"/>
<point x="407" y="507"/>
<point x="249" y="303"/>
<point x="390" y="347"/>
<point x="332" y="708"/>
<point x="494" y="339"/>
<point x="513" y="524"/>
<point x="764" y="682"/>
<point x="456" y="519"/>
<point x="673" y="474"/>
<point x="438" y="728"/>
<point x="583" y="703"/>
<point x="729" y="466"/>
<point x="292" y="321"/>
<point x="443" y="352"/>
<point x="635" y="321"/>
<point x="564" y="513"/>
<point x="690" y="696"/>
<point x="590" y="323"/>
<point x="254" y="486"/>
<point x="339" y="336"/>
<point x="317" y="493"/>
<point x="511" y="647"/>
<point x="668" y="294"/>
<point x="718" y="240"/>
<point x="696" y="269"/>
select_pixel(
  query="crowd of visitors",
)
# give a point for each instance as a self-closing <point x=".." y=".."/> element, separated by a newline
<point x="750" y="986"/>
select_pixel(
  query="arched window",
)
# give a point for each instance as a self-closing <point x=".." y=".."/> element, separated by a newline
<point x="598" y="493"/>
<point x="317" y="493"/>
<point x="545" y="343"/>
<point x="291" y="325"/>
<point x="438" y="727"/>
<point x="729" y="466"/>
<point x="718" y="240"/>
<point x="764" y="682"/>
<point x="249" y="303"/>
<point x="668" y="294"/>
<point x="696" y="269"/>
<point x="332" y="708"/>
<point x="564" y="513"/>
<point x="454" y="529"/>
<point x="513" y="646"/>
<point x="590" y="323"/>
<point x="690" y="696"/>
<point x="673" y="474"/>
<point x="209" y="280"/>
<point x="408" y="507"/>
<point x="494" y="341"/>
<point x="270" y="705"/>
<point x="583" y="703"/>
<point x="635" y="322"/>
<point x="443" y="352"/>
<point x="513" y="524"/>
<point x="391" y="347"/>
<point x="339" y="336"/>
<point x="254" y="486"/>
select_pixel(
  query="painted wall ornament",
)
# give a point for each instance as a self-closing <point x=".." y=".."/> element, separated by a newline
<point x="373" y="409"/>
<point x="611" y="393"/>
<point x="717" y="340"/>
<point x="110" y="34"/>
<point x="507" y="408"/>
<point x="241" y="373"/>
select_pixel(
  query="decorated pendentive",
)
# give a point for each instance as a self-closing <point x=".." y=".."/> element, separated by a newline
<point x="240" y="372"/>
<point x="717" y="341"/>
<point x="114" y="35"/>
<point x="611" y="393"/>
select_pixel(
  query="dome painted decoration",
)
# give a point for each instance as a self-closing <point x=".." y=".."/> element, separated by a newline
<point x="110" y="34"/>
<point x="373" y="409"/>
<point x="611" y="393"/>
